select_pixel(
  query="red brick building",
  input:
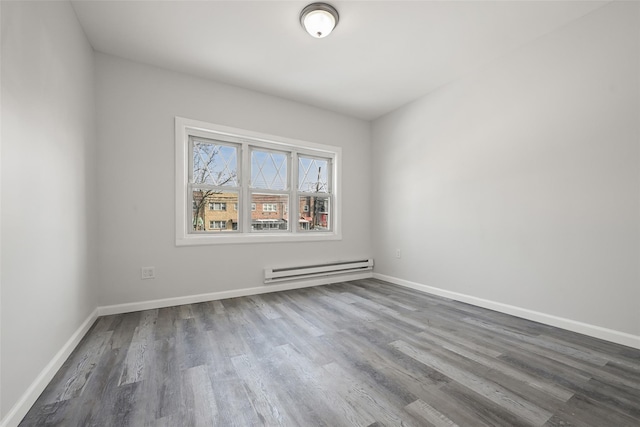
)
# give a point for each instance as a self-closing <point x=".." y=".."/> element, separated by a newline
<point x="219" y="212"/>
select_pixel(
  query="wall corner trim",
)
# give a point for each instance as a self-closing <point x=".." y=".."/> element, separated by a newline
<point x="26" y="401"/>
<point x="548" y="319"/>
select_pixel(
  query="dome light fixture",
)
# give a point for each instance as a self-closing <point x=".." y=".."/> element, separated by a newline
<point x="319" y="19"/>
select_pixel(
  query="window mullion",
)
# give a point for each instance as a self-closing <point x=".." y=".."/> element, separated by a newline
<point x="294" y="205"/>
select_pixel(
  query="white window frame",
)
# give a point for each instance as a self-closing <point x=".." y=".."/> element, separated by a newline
<point x="186" y="128"/>
<point x="269" y="206"/>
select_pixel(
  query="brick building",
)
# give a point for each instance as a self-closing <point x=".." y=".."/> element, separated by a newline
<point x="219" y="212"/>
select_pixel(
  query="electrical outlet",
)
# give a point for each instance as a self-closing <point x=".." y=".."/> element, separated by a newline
<point x="397" y="253"/>
<point x="148" y="272"/>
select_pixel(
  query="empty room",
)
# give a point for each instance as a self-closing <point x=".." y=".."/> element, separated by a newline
<point x="345" y="213"/>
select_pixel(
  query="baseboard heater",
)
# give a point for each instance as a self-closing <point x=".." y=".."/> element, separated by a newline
<point x="272" y="275"/>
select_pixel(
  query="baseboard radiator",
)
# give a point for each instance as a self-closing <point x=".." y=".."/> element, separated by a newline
<point x="272" y="275"/>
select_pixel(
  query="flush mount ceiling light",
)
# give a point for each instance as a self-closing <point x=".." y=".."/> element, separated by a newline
<point x="319" y="19"/>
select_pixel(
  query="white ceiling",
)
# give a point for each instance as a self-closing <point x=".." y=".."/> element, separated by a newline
<point x="382" y="55"/>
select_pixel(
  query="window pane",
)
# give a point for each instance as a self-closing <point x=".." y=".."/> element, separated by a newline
<point x="271" y="212"/>
<point x="268" y="170"/>
<point x="215" y="164"/>
<point x="213" y="211"/>
<point x="314" y="213"/>
<point x="313" y="175"/>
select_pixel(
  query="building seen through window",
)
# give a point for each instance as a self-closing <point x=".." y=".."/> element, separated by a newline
<point x="274" y="215"/>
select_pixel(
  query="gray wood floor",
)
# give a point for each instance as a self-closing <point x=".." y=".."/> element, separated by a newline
<point x="363" y="353"/>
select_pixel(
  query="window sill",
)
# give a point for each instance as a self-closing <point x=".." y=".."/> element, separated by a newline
<point x="202" y="240"/>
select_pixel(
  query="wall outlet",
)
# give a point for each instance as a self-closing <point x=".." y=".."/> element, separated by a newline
<point x="148" y="272"/>
<point x="397" y="253"/>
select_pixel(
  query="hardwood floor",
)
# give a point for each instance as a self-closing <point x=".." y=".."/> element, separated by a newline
<point x="363" y="353"/>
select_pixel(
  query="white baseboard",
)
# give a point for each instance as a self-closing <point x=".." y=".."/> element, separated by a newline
<point x="548" y="319"/>
<point x="192" y="299"/>
<point x="26" y="401"/>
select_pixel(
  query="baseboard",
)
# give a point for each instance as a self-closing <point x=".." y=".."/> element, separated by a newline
<point x="192" y="299"/>
<point x="20" y="409"/>
<point x="548" y="319"/>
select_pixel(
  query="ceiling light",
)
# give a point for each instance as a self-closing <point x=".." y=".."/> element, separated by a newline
<point x="319" y="19"/>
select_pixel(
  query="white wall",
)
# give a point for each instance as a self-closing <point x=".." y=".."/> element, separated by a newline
<point x="520" y="183"/>
<point x="49" y="215"/>
<point x="135" y="113"/>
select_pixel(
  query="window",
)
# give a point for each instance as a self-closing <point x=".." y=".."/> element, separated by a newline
<point x="295" y="183"/>
<point x="314" y="192"/>
<point x="217" y="225"/>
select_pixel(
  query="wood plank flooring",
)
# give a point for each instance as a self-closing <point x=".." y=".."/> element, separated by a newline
<point x="362" y="353"/>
